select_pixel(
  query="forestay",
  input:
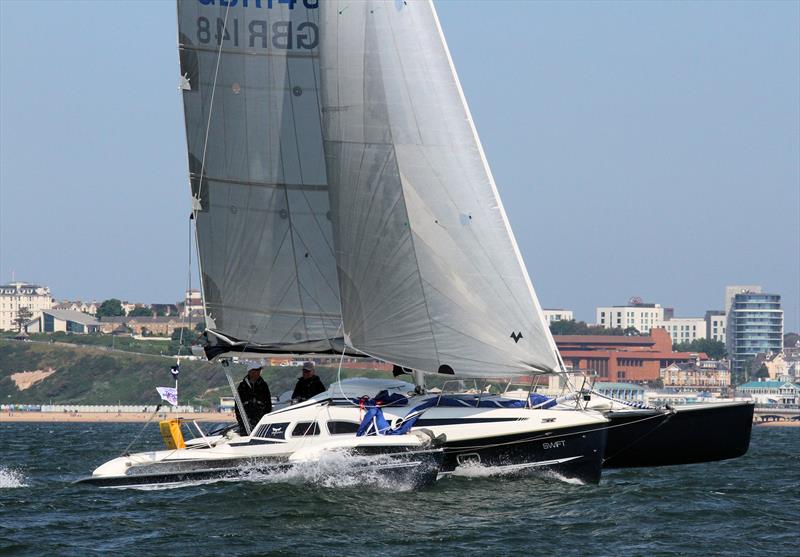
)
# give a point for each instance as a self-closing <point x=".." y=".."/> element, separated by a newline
<point x="430" y="275"/>
<point x="250" y="80"/>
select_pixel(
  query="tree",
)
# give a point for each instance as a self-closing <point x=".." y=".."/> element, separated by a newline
<point x="762" y="372"/>
<point x="790" y="340"/>
<point x="185" y="332"/>
<point x="23" y="316"/>
<point x="141" y="311"/>
<point x="110" y="308"/>
<point x="176" y="345"/>
<point x="573" y="327"/>
<point x="714" y="348"/>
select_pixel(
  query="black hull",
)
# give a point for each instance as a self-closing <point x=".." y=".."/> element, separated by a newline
<point x="575" y="453"/>
<point x="705" y="433"/>
<point x="415" y="468"/>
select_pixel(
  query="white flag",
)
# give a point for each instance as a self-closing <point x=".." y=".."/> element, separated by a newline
<point x="170" y="394"/>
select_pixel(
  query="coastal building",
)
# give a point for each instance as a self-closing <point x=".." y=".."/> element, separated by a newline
<point x="792" y="357"/>
<point x="715" y="325"/>
<point x="17" y="295"/>
<point x="769" y="391"/>
<point x="78" y="305"/>
<point x="779" y="365"/>
<point x="636" y="359"/>
<point x="730" y="292"/>
<point x="622" y="391"/>
<point x="165" y="309"/>
<point x="64" y="320"/>
<point x="637" y="314"/>
<point x="192" y="303"/>
<point x="754" y="324"/>
<point x="685" y="329"/>
<point x="702" y="375"/>
<point x="145" y="325"/>
<point x="553" y="315"/>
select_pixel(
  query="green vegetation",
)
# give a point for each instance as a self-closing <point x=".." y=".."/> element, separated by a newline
<point x="92" y="375"/>
<point x="110" y="308"/>
<point x="714" y="348"/>
<point x="140" y="312"/>
<point x="761" y="373"/>
<point x="121" y="343"/>
<point x="573" y="327"/>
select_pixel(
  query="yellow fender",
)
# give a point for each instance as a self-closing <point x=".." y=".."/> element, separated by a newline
<point x="171" y="433"/>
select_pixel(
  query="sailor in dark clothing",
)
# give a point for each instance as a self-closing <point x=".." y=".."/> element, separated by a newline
<point x="308" y="385"/>
<point x="255" y="396"/>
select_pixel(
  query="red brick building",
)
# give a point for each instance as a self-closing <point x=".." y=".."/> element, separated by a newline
<point x="622" y="358"/>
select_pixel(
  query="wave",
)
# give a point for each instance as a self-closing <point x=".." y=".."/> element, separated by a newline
<point x="529" y="469"/>
<point x="335" y="469"/>
<point x="10" y="478"/>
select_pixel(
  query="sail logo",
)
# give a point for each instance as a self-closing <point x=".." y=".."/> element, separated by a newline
<point x="516" y="336"/>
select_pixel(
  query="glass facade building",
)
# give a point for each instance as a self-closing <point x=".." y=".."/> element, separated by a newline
<point x="755" y="324"/>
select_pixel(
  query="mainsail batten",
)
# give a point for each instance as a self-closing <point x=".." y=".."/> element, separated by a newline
<point x="430" y="275"/>
<point x="258" y="176"/>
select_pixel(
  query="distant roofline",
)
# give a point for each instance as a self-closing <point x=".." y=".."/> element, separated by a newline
<point x="19" y="284"/>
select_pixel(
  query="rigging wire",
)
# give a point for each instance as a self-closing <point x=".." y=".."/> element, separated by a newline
<point x="188" y="290"/>
<point x="136" y="438"/>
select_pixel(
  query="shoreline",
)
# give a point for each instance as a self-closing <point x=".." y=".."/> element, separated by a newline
<point x="776" y="424"/>
<point x="111" y="417"/>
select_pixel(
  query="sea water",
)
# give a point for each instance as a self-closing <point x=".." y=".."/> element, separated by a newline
<point x="745" y="506"/>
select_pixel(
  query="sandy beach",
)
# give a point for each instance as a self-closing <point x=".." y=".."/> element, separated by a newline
<point x="53" y="417"/>
<point x="777" y="424"/>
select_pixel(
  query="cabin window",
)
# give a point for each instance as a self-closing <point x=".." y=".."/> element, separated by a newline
<point x="271" y="431"/>
<point x="339" y="427"/>
<point x="305" y="428"/>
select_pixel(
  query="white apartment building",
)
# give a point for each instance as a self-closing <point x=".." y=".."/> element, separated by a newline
<point x="553" y="315"/>
<point x="642" y="317"/>
<point x="16" y="295"/>
<point x="716" y="323"/>
<point x="193" y="303"/>
<point x="685" y="329"/>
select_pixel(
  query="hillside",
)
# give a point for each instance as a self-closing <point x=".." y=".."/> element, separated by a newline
<point x="90" y="375"/>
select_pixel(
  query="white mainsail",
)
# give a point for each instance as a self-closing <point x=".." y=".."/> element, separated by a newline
<point x="250" y="81"/>
<point x="429" y="272"/>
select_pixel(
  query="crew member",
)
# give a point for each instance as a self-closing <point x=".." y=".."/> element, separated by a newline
<point x="254" y="395"/>
<point x="308" y="385"/>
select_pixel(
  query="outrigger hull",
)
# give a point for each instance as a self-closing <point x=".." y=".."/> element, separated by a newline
<point x="684" y="435"/>
<point x="414" y="469"/>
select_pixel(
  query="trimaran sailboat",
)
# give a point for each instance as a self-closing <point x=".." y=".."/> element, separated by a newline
<point x="343" y="205"/>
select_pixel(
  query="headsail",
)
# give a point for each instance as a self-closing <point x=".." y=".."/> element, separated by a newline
<point x="430" y="275"/>
<point x="250" y="81"/>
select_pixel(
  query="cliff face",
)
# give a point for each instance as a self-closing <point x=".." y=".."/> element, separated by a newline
<point x="40" y="373"/>
<point x="37" y="373"/>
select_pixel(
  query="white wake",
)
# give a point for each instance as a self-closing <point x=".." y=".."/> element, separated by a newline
<point x="10" y="478"/>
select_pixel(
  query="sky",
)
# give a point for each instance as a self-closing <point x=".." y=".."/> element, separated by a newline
<point x="640" y="148"/>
